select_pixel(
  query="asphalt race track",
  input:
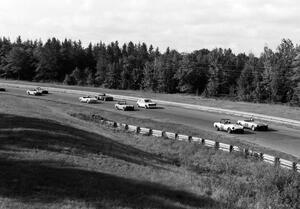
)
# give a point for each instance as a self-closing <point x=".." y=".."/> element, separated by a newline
<point x="280" y="137"/>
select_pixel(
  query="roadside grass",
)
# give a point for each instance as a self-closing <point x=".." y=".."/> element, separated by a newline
<point x="45" y="164"/>
<point x="278" y="110"/>
<point x="228" y="178"/>
<point x="54" y="167"/>
<point x="49" y="159"/>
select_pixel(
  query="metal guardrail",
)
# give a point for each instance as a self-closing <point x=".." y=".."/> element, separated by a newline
<point x="273" y="160"/>
<point x="157" y="133"/>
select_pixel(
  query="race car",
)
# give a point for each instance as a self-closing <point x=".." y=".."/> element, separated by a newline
<point x="146" y="103"/>
<point x="253" y="125"/>
<point x="226" y="125"/>
<point x="122" y="105"/>
<point x="88" y="99"/>
<point x="104" y="97"/>
<point x="33" y="92"/>
<point x="43" y="91"/>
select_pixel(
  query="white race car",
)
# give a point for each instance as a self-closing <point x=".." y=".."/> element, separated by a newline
<point x="33" y="92"/>
<point x="226" y="125"/>
<point x="88" y="99"/>
<point x="253" y="125"/>
<point x="146" y="103"/>
<point x="122" y="105"/>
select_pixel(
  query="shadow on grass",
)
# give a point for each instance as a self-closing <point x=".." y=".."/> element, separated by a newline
<point x="159" y="108"/>
<point x="35" y="182"/>
<point x="34" y="133"/>
<point x="261" y="130"/>
<point x="269" y="130"/>
<point x="248" y="132"/>
<point x="53" y="182"/>
<point x="152" y="108"/>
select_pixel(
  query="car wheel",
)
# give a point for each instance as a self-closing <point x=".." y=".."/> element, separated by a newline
<point x="217" y="128"/>
<point x="229" y="130"/>
<point x="253" y="128"/>
<point x="146" y="106"/>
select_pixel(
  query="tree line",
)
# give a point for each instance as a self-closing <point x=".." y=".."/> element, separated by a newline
<point x="272" y="77"/>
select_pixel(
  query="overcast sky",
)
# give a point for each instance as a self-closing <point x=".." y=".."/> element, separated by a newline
<point x="185" y="25"/>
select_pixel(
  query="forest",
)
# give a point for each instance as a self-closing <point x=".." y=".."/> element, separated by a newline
<point x="272" y="77"/>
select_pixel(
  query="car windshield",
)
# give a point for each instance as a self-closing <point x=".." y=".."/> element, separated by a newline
<point x="122" y="102"/>
<point x="226" y="121"/>
<point x="147" y="100"/>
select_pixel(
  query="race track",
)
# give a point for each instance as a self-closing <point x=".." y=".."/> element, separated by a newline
<point x="280" y="137"/>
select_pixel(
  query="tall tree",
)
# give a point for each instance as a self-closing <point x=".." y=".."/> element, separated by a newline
<point x="101" y="66"/>
<point x="19" y="64"/>
<point x="295" y="79"/>
<point x="246" y="81"/>
<point x="5" y="47"/>
<point x="113" y="79"/>
<point x="191" y="77"/>
<point x="48" y="65"/>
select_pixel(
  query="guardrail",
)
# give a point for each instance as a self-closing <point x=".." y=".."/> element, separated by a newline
<point x="273" y="160"/>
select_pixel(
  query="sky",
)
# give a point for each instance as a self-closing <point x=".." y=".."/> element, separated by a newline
<point x="245" y="26"/>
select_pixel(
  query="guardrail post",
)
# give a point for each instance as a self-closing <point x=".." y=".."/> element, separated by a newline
<point x="190" y="139"/>
<point x="246" y="152"/>
<point x="230" y="148"/>
<point x="295" y="166"/>
<point x="115" y="125"/>
<point x="217" y="145"/>
<point x="163" y="134"/>
<point x="126" y="127"/>
<point x="176" y="136"/>
<point x="202" y="141"/>
<point x="138" y="129"/>
<point x="277" y="161"/>
<point x="150" y="132"/>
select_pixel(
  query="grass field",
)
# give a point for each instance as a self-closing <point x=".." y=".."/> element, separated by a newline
<point x="49" y="159"/>
<point x="277" y="110"/>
